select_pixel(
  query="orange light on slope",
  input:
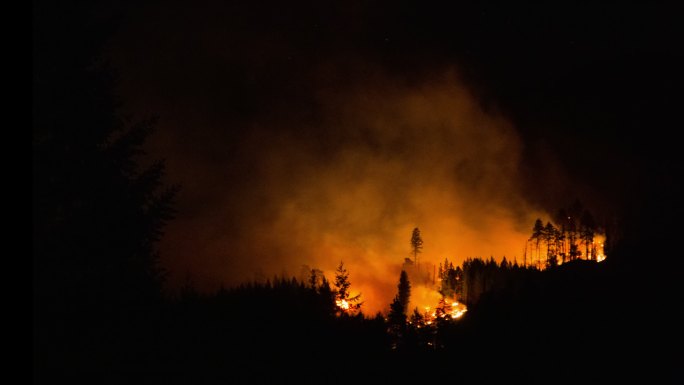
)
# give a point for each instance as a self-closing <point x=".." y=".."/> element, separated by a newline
<point x="457" y="310"/>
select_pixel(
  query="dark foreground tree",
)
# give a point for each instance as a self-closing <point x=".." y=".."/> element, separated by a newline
<point x="397" y="316"/>
<point x="399" y="306"/>
<point x="97" y="213"/>
<point x="98" y="209"/>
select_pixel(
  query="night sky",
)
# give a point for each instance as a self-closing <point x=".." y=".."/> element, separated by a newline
<point x="312" y="133"/>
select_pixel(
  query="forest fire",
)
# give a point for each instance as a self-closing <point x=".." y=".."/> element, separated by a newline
<point x="446" y="310"/>
<point x="239" y="191"/>
<point x="573" y="235"/>
<point x="600" y="254"/>
<point x="457" y="310"/>
<point x="342" y="304"/>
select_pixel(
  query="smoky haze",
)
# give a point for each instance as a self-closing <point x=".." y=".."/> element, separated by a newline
<point x="296" y="151"/>
<point x="381" y="159"/>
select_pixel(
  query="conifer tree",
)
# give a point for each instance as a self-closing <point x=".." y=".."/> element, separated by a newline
<point x="416" y="244"/>
<point x="345" y="302"/>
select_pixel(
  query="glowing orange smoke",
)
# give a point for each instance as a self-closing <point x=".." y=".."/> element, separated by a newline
<point x="402" y="156"/>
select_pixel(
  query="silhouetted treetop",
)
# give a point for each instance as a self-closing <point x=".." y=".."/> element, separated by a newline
<point x="345" y="302"/>
<point x="98" y="210"/>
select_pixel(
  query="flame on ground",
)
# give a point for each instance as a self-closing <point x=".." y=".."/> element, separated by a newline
<point x="451" y="310"/>
<point x="457" y="310"/>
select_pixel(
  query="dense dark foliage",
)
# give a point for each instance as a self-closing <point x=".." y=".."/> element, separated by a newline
<point x="98" y="211"/>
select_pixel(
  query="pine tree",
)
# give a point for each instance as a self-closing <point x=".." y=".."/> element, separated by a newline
<point x="345" y="303"/>
<point x="561" y="220"/>
<point x="98" y="214"/>
<point x="403" y="294"/>
<point x="327" y="297"/>
<point x="314" y="278"/>
<point x="397" y="316"/>
<point x="587" y="232"/>
<point x="416" y="244"/>
<point x="537" y="234"/>
<point x="574" y="213"/>
<point x="417" y="319"/>
<point x="550" y="237"/>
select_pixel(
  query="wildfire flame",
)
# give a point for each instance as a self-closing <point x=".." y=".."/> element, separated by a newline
<point x="342" y="304"/>
<point x="458" y="309"/>
<point x="601" y="256"/>
<point x="452" y="310"/>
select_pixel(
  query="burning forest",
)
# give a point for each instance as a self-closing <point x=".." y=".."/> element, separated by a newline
<point x="354" y="192"/>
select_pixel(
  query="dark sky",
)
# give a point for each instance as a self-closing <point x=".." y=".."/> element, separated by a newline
<point x="309" y="133"/>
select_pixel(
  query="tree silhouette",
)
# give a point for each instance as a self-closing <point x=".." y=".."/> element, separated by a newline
<point x="559" y="240"/>
<point x="399" y="306"/>
<point x="416" y="244"/>
<point x="417" y="319"/>
<point x="97" y="212"/>
<point x="451" y="280"/>
<point x="537" y="235"/>
<point x="404" y="290"/>
<point x="550" y="236"/>
<point x="327" y="297"/>
<point x="574" y="214"/>
<point x="345" y="303"/>
<point x="587" y="232"/>
<point x="397" y="316"/>
<point x="315" y="276"/>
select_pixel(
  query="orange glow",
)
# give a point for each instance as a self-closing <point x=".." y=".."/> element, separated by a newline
<point x="599" y="240"/>
<point x="342" y="304"/>
<point x="457" y="310"/>
<point x="422" y="156"/>
<point x="425" y="296"/>
<point x="452" y="310"/>
<point x="538" y="258"/>
<point x="601" y="258"/>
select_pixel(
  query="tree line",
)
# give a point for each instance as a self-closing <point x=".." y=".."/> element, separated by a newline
<point x="570" y="236"/>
